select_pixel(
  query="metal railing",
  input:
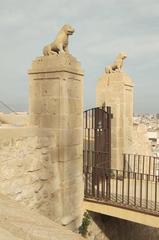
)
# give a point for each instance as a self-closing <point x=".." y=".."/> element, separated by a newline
<point x="141" y="164"/>
<point x="136" y="191"/>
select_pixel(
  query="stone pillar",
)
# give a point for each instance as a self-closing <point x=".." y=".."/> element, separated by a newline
<point x="56" y="102"/>
<point x="116" y="90"/>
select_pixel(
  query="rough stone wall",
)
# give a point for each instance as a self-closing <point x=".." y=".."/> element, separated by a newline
<point x="29" y="171"/>
<point x="109" y="228"/>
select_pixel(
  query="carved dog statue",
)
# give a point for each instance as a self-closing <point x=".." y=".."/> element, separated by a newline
<point x="60" y="44"/>
<point x="117" y="65"/>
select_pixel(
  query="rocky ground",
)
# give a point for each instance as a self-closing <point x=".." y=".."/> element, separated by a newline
<point x="18" y="223"/>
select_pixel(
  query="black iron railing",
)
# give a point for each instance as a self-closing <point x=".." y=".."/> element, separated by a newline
<point x="135" y="187"/>
<point x="131" y="190"/>
<point x="141" y="164"/>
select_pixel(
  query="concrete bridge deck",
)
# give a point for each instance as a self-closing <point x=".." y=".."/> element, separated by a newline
<point x="126" y="195"/>
<point x="122" y="213"/>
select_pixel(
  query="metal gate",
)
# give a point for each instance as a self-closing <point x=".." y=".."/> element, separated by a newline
<point x="136" y="187"/>
<point x="97" y="150"/>
<point x="97" y="138"/>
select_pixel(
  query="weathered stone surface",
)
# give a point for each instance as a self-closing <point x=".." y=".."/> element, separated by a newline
<point x="106" y="228"/>
<point x="54" y="67"/>
<point x="60" y="44"/>
<point x="6" y="235"/>
<point x="117" y="65"/>
<point x="116" y="90"/>
<point x="57" y="80"/>
<point x="19" y="223"/>
<point x="18" y="118"/>
<point x="41" y="165"/>
<point x="28" y="167"/>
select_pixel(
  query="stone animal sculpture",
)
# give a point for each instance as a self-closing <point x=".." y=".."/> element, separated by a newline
<point x="117" y="65"/>
<point x="60" y="44"/>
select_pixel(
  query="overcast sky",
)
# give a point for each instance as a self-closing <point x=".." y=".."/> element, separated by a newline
<point x="103" y="29"/>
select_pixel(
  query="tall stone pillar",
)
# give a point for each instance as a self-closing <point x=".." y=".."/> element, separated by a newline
<point x="56" y="102"/>
<point x="115" y="89"/>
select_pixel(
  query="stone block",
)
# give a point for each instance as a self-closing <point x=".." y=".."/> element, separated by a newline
<point x="71" y="169"/>
<point x="54" y="155"/>
<point x="53" y="105"/>
<point x="72" y="198"/>
<point x="36" y="107"/>
<point x="56" y="210"/>
<point x="34" y="119"/>
<point x="34" y="88"/>
<point x="50" y="88"/>
<point x="44" y="141"/>
<point x="70" y="137"/>
<point x="58" y="79"/>
<point x="70" y="121"/>
<point x="70" y="153"/>
<point x="35" y="165"/>
<point x="71" y="106"/>
<point x="49" y="120"/>
<point x="112" y="90"/>
<point x="71" y="88"/>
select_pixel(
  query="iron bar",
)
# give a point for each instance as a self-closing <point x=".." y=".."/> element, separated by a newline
<point x="135" y="187"/>
<point x="128" y="188"/>
<point x="116" y="176"/>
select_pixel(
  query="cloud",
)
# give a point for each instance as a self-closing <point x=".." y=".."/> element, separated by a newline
<point x="103" y="28"/>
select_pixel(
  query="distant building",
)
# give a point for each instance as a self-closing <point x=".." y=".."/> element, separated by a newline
<point x="153" y="136"/>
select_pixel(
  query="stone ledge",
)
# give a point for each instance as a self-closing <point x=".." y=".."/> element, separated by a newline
<point x="56" y="63"/>
<point x="13" y="131"/>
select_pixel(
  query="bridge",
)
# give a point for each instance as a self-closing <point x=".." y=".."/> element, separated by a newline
<point x="131" y="193"/>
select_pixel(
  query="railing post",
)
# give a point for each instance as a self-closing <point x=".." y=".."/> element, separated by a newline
<point x="123" y="187"/>
<point x="124" y="162"/>
<point x="156" y="182"/>
<point x="141" y="189"/>
<point x="109" y="115"/>
<point x="135" y="191"/>
<point x="128" y="162"/>
<point x="93" y="182"/>
<point x="149" y="167"/>
<point x="85" y="185"/>
<point x="138" y="164"/>
<point x="108" y="184"/>
<point x="134" y="163"/>
<point x="153" y="166"/>
<point x="128" y="188"/>
<point x="103" y="186"/>
<point x="147" y="184"/>
<point x="97" y="184"/>
<point x="116" y="185"/>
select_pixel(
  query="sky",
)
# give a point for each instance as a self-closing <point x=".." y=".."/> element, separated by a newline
<point x="102" y="29"/>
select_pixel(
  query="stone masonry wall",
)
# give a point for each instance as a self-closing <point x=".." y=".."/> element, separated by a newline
<point x="41" y="164"/>
<point x="56" y="102"/>
<point x="109" y="228"/>
<point x="116" y="90"/>
<point x="29" y="169"/>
